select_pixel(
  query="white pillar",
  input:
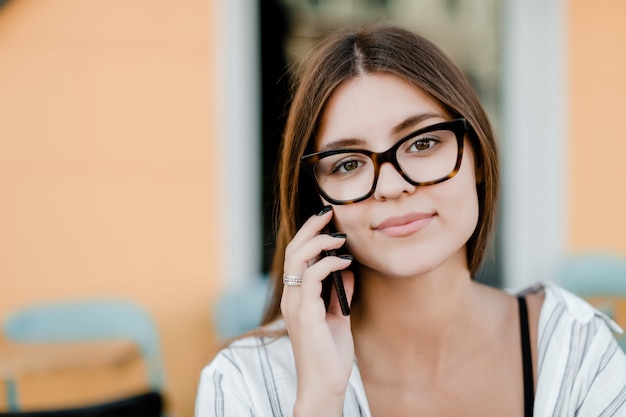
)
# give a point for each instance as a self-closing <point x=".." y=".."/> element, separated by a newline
<point x="237" y="87"/>
<point x="534" y="144"/>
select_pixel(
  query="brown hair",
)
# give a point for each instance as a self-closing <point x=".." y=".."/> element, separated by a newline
<point x="347" y="54"/>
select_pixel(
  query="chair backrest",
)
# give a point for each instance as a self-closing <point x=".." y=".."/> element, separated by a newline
<point x="593" y="274"/>
<point x="90" y="320"/>
<point x="239" y="310"/>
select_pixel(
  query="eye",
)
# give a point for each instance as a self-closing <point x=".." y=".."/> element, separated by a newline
<point x="346" y="165"/>
<point x="342" y="164"/>
<point x="422" y="145"/>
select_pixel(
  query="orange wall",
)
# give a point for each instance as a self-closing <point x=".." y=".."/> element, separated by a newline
<point x="107" y="159"/>
<point x="597" y="88"/>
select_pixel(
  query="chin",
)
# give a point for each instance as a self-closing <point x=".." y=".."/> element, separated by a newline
<point x="404" y="267"/>
<point x="416" y="262"/>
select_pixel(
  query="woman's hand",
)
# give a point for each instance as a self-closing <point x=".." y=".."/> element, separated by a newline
<point x="322" y="340"/>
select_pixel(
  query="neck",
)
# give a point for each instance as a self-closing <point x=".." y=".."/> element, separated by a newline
<point x="426" y="316"/>
<point x="419" y="302"/>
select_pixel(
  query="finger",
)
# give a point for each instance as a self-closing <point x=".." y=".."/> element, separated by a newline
<point x="298" y="259"/>
<point x="311" y="227"/>
<point x="304" y="301"/>
<point x="314" y="275"/>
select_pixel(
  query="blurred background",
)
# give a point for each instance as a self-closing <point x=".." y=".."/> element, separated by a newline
<point x="138" y="145"/>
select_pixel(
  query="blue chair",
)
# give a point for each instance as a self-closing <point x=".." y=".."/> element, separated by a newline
<point x="89" y="320"/>
<point x="600" y="278"/>
<point x="239" y="310"/>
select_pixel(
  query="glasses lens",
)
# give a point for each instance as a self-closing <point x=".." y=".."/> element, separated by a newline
<point x="429" y="156"/>
<point x="345" y="176"/>
<point x="424" y="158"/>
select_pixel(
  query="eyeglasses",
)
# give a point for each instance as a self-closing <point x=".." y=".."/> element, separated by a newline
<point x="425" y="157"/>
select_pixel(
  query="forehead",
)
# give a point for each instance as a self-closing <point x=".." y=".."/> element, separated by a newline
<point x="375" y="105"/>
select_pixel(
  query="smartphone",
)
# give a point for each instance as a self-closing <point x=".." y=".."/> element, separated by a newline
<point x="334" y="280"/>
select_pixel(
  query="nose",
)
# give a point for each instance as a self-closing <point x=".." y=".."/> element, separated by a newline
<point x="391" y="184"/>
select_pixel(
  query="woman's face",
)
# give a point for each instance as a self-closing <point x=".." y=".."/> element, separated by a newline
<point x="402" y="230"/>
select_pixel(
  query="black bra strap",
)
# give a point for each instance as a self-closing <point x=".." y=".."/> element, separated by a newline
<point x="527" y="358"/>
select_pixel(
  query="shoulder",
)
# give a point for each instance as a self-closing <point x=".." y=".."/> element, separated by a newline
<point x="559" y="304"/>
<point x="246" y="354"/>
<point x="565" y="320"/>
<point x="581" y="368"/>
<point x="252" y="375"/>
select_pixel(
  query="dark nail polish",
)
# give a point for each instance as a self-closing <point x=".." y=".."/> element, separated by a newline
<point x="349" y="257"/>
<point x="325" y="210"/>
<point x="338" y="235"/>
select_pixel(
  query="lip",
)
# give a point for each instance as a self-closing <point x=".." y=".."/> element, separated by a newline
<point x="404" y="225"/>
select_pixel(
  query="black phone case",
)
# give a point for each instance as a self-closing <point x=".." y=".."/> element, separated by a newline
<point x="335" y="280"/>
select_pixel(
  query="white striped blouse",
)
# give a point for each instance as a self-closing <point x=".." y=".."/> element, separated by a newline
<point x="581" y="369"/>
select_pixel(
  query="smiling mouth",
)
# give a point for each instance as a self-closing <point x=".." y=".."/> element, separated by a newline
<point x="404" y="225"/>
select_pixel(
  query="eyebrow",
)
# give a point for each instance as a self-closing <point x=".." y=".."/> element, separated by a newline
<point x="412" y="121"/>
<point x="342" y="143"/>
<point x="403" y="125"/>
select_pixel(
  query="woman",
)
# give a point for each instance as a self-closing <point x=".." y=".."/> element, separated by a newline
<point x="397" y="172"/>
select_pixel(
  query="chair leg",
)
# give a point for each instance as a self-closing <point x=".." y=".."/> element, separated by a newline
<point x="12" y="400"/>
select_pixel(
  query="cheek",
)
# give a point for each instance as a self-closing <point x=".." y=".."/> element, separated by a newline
<point x="462" y="199"/>
<point x="350" y="220"/>
<point x="467" y="208"/>
<point x="345" y="218"/>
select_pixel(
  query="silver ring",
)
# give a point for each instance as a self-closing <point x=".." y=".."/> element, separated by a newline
<point x="292" y="280"/>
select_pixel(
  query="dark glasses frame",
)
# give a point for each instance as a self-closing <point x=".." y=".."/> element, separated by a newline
<point x="458" y="126"/>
